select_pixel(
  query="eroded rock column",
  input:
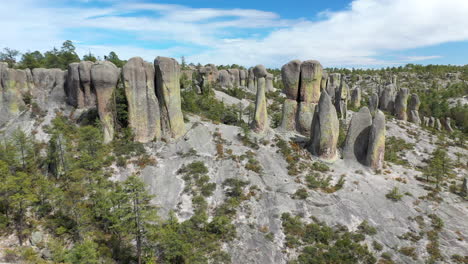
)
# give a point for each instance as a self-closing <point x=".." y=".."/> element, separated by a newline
<point x="260" y="121"/>
<point x="413" y="107"/>
<point x="357" y="139"/>
<point x="401" y="104"/>
<point x="376" y="148"/>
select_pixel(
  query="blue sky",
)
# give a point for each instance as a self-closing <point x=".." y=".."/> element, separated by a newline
<point x="338" y="33"/>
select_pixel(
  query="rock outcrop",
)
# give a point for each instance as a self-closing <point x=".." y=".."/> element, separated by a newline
<point x="438" y="125"/>
<point x="243" y="77"/>
<point x="413" y="109"/>
<point x="310" y="81"/>
<point x="104" y="77"/>
<point x="426" y="121"/>
<point x="168" y="92"/>
<point x="333" y="84"/>
<point x="269" y="82"/>
<point x="288" y="121"/>
<point x="401" y="104"/>
<point x="235" y="77"/>
<point x="376" y="146"/>
<point x="251" y="81"/>
<point x="143" y="107"/>
<point x="12" y="84"/>
<point x="341" y="100"/>
<point x="49" y="88"/>
<point x="373" y="103"/>
<point x="431" y="122"/>
<point x="78" y="90"/>
<point x="290" y="74"/>
<point x="208" y="77"/>
<point x="325" y="130"/>
<point x="357" y="138"/>
<point x="447" y="124"/>
<point x="224" y="79"/>
<point x="260" y="120"/>
<point x="356" y="98"/>
<point x="387" y="98"/>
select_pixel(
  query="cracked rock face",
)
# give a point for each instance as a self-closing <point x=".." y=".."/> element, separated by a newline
<point x="168" y="93"/>
<point x="387" y="98"/>
<point x="235" y="77"/>
<point x="78" y="89"/>
<point x="310" y="81"/>
<point x="413" y="109"/>
<point x="290" y="74"/>
<point x="373" y="103"/>
<point x="333" y="84"/>
<point x="341" y="100"/>
<point x="357" y="138"/>
<point x="12" y="85"/>
<point x="143" y="107"/>
<point x="224" y="79"/>
<point x="356" y="98"/>
<point x="325" y="130"/>
<point x="104" y="77"/>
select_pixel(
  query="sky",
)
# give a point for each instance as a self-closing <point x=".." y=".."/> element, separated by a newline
<point x="338" y="33"/>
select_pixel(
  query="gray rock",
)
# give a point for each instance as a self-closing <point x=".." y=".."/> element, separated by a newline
<point x="75" y="95"/>
<point x="260" y="71"/>
<point x="251" y="81"/>
<point x="311" y="79"/>
<point x="447" y="124"/>
<point x="413" y="109"/>
<point x="401" y="104"/>
<point x="12" y="84"/>
<point x="104" y="77"/>
<point x="260" y="121"/>
<point x="323" y="84"/>
<point x="426" y="121"/>
<point x="49" y="88"/>
<point x="438" y="125"/>
<point x="305" y="114"/>
<point x="431" y="122"/>
<point x="356" y="98"/>
<point x="357" y="138"/>
<point x="208" y="76"/>
<point x="224" y="79"/>
<point x="387" y="98"/>
<point x="143" y="107"/>
<point x="84" y="69"/>
<point x="341" y="100"/>
<point x="243" y="77"/>
<point x="373" y="103"/>
<point x="168" y="93"/>
<point x="464" y="190"/>
<point x="376" y="148"/>
<point x="290" y="74"/>
<point x="288" y="121"/>
<point x="269" y="82"/>
<point x="325" y="130"/>
<point x="235" y="77"/>
<point x="333" y="84"/>
<point x="36" y="238"/>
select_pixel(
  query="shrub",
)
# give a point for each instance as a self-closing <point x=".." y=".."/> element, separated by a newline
<point x="301" y="193"/>
<point x="394" y="194"/>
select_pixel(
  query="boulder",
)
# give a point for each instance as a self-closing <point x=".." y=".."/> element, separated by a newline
<point x="401" y="104"/>
<point x="356" y="98"/>
<point x="323" y="84"/>
<point x="84" y="69"/>
<point x="357" y="138"/>
<point x="325" y="130"/>
<point x="290" y="73"/>
<point x="373" y="103"/>
<point x="288" y="121"/>
<point x="438" y="125"/>
<point x="260" y="121"/>
<point x="224" y="79"/>
<point x="104" y="77"/>
<point x="269" y="83"/>
<point x="426" y="121"/>
<point x="168" y="92"/>
<point x="75" y="95"/>
<point x="144" y="116"/>
<point x="49" y="88"/>
<point x="413" y="109"/>
<point x="387" y="98"/>
<point x="310" y="81"/>
<point x="376" y="145"/>
<point x="305" y="114"/>
<point x="341" y="100"/>
<point x="235" y="77"/>
<point x="243" y="77"/>
<point x="333" y="84"/>
<point x="431" y="122"/>
<point x="208" y="77"/>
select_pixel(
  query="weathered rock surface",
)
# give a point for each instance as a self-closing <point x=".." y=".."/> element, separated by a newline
<point x="373" y="103"/>
<point x="12" y="83"/>
<point x="305" y="114"/>
<point x="426" y="121"/>
<point x="78" y="89"/>
<point x="84" y="69"/>
<point x="104" y="77"/>
<point x="243" y="77"/>
<point x="224" y="79"/>
<point x="341" y="100"/>
<point x="290" y="74"/>
<point x="49" y="88"/>
<point x="333" y="84"/>
<point x="168" y="92"/>
<point x="356" y="98"/>
<point x="235" y="77"/>
<point x="143" y="107"/>
<point x="448" y="125"/>
<point x="288" y="121"/>
<point x="431" y="122"/>
<point x="401" y="104"/>
<point x="325" y="130"/>
<point x="209" y="75"/>
<point x="376" y="148"/>
<point x="311" y="79"/>
<point x="260" y="121"/>
<point x="269" y="83"/>
<point x="387" y="98"/>
<point x="357" y="138"/>
<point x="438" y="125"/>
<point x="251" y="81"/>
<point x="413" y="109"/>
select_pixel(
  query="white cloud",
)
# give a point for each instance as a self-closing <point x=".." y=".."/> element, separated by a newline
<point x="358" y="35"/>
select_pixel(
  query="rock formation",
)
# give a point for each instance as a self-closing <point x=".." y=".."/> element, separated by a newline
<point x="413" y="109"/>
<point x="78" y="90"/>
<point x="224" y="79"/>
<point x="269" y="82"/>
<point x="438" y="125"/>
<point x="208" y="77"/>
<point x="290" y="74"/>
<point x="356" y="98"/>
<point x="333" y="84"/>
<point x="426" y="121"/>
<point x="325" y="130"/>
<point x="357" y="138"/>
<point x="288" y="121"/>
<point x="235" y="77"/>
<point x="104" y="77"/>
<point x="447" y="124"/>
<point x="323" y="84"/>
<point x="168" y="92"/>
<point x="49" y="87"/>
<point x="401" y="104"/>
<point x="243" y="77"/>
<point x="310" y="81"/>
<point x="387" y="98"/>
<point x="260" y="121"/>
<point x="376" y="146"/>
<point x="143" y="107"/>
<point x="341" y="100"/>
<point x="251" y="81"/>
<point x="373" y="103"/>
<point x="431" y="122"/>
<point x="12" y="83"/>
